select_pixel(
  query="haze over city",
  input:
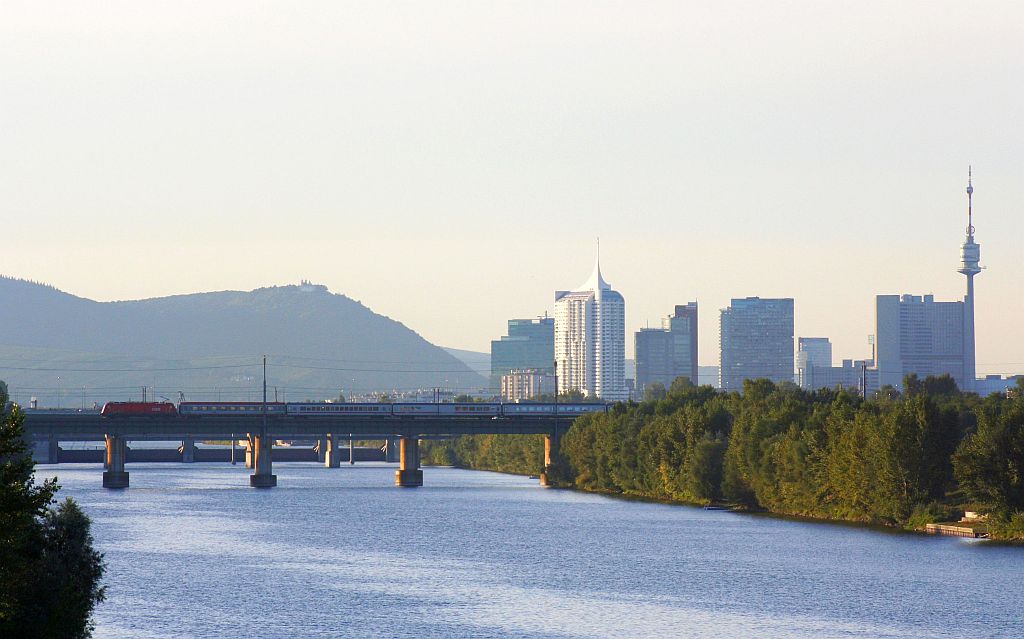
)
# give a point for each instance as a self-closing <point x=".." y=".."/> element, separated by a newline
<point x="603" y="319"/>
<point x="451" y="166"/>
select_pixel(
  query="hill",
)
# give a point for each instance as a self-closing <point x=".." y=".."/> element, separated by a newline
<point x="209" y="346"/>
<point x="478" y="362"/>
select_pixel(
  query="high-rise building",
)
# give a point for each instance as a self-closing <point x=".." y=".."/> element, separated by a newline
<point x="663" y="354"/>
<point x="756" y="341"/>
<point x="529" y="345"/>
<point x="590" y="339"/>
<point x="918" y="335"/>
<point x="653" y="347"/>
<point x="811" y="353"/>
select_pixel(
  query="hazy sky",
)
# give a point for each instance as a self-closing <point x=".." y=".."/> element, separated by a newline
<point x="451" y="164"/>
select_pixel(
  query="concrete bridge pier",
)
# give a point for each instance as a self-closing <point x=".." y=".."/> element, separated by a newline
<point x="332" y="457"/>
<point x="409" y="474"/>
<point x="263" y="476"/>
<point x="250" y="456"/>
<point x="550" y="452"/>
<point x="391" y="450"/>
<point x="188" y="450"/>
<point x="46" y="451"/>
<point x="115" y="475"/>
<point x="351" y="449"/>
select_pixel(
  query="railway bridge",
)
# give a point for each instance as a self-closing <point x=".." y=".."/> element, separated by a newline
<point x="262" y="429"/>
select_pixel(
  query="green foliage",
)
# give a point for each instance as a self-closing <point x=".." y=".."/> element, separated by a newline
<point x="519" y="454"/>
<point x="896" y="459"/>
<point x="655" y="391"/>
<point x="49" y="573"/>
<point x="67" y="584"/>
<point x="931" y="513"/>
<point x="822" y="454"/>
<point x="1007" y="528"/>
<point x="989" y="463"/>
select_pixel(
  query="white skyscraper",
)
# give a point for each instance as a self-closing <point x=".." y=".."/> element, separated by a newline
<point x="590" y="339"/>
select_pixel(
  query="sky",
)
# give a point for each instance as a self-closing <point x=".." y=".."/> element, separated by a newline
<point x="452" y="164"/>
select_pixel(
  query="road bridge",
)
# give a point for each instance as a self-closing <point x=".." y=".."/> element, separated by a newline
<point x="261" y="430"/>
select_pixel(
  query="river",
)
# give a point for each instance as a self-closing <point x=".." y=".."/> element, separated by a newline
<point x="192" y="551"/>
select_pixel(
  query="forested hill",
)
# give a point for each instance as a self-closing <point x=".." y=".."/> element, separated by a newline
<point x="318" y="343"/>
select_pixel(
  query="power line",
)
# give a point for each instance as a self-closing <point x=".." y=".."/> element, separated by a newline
<point x="122" y="370"/>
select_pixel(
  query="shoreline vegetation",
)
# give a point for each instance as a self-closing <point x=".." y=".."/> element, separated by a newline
<point x="899" y="460"/>
<point x="50" y="574"/>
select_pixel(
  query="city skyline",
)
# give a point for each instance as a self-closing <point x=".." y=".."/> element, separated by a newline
<point x="728" y="154"/>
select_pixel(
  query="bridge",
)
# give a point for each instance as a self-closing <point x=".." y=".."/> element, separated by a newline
<point x="261" y="431"/>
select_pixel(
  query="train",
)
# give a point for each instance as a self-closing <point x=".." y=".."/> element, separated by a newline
<point x="325" y="409"/>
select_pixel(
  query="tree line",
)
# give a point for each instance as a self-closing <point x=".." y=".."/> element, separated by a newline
<point x="49" y="572"/>
<point x="902" y="459"/>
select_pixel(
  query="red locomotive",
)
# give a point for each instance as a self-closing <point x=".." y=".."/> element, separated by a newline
<point x="136" y="409"/>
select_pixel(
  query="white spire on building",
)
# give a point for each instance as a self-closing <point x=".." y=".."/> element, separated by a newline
<point x="595" y="282"/>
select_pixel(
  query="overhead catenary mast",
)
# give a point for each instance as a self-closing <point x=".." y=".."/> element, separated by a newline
<point x="970" y="256"/>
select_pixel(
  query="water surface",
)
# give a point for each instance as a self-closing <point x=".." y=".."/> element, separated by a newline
<point x="192" y="551"/>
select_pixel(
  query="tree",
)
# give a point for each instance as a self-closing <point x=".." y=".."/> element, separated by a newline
<point x="989" y="464"/>
<point x="654" y="391"/>
<point x="68" y="586"/>
<point x="49" y="572"/>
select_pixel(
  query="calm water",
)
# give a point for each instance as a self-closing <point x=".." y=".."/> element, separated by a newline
<point x="193" y="552"/>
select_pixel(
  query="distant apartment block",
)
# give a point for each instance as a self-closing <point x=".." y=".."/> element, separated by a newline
<point x="853" y="375"/>
<point x="756" y="340"/>
<point x="811" y="352"/>
<point x="529" y="345"/>
<point x="916" y="334"/>
<point x="520" y="385"/>
<point x="663" y="354"/>
<point x="996" y="384"/>
<point x="708" y="376"/>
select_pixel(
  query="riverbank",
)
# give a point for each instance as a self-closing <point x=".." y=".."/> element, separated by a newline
<point x="825" y="457"/>
<point x="985" y="534"/>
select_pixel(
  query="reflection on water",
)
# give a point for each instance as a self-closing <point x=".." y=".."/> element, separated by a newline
<point x="193" y="552"/>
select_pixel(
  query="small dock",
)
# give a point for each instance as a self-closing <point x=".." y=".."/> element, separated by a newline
<point x="956" y="530"/>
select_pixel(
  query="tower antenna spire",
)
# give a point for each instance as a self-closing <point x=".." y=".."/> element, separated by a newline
<point x="970" y="212"/>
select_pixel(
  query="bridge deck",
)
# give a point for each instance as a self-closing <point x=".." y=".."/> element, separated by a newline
<point x="93" y="426"/>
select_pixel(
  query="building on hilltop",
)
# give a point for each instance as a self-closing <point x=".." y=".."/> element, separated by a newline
<point x="529" y="345"/>
<point x="917" y="335"/>
<point x="663" y="354"/>
<point x="590" y="339"/>
<point x="756" y="341"/>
